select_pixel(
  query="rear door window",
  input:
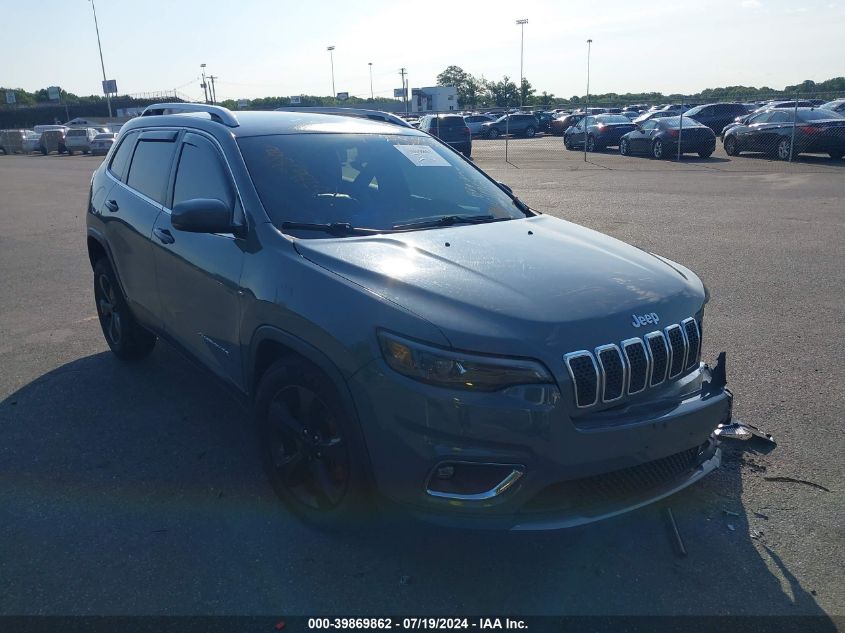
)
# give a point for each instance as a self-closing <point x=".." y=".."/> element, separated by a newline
<point x="120" y="160"/>
<point x="150" y="167"/>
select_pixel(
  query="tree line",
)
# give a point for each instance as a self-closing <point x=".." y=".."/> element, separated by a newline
<point x="479" y="92"/>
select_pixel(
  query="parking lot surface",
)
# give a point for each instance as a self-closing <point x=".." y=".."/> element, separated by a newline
<point x="136" y="489"/>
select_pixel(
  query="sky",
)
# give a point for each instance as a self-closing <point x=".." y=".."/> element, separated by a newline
<point x="278" y="47"/>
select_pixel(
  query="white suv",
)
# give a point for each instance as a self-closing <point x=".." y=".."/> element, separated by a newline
<point x="79" y="140"/>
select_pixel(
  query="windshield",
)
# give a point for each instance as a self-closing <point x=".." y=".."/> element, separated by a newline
<point x="368" y="181"/>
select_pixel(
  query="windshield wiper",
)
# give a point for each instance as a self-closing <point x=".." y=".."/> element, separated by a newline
<point x="339" y="229"/>
<point x="449" y="220"/>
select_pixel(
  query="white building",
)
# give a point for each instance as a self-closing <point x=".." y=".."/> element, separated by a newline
<point x="434" y="99"/>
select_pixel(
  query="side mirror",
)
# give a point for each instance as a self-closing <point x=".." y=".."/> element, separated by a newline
<point x="202" y="215"/>
<point x="505" y="187"/>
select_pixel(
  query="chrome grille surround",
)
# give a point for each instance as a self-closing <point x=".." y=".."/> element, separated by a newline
<point x="568" y="361"/>
<point x="612" y="371"/>
<point x="631" y="360"/>
<point x="604" y="372"/>
<point x="657" y="340"/>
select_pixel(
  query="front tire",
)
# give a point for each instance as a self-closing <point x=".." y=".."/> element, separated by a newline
<point x="704" y="154"/>
<point x="493" y="133"/>
<point x="623" y="147"/>
<point x="128" y="340"/>
<point x="784" y="149"/>
<point x="731" y="146"/>
<point x="657" y="149"/>
<point x="530" y="131"/>
<point x="567" y="143"/>
<point x="311" y="448"/>
<point x="591" y="144"/>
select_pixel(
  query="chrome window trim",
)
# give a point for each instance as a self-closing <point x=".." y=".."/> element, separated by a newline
<point x="603" y="372"/>
<point x="684" y="343"/>
<point x="691" y="361"/>
<point x="647" y="338"/>
<point x="648" y="366"/>
<point x="579" y="353"/>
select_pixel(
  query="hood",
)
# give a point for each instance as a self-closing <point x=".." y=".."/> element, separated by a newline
<point x="516" y="287"/>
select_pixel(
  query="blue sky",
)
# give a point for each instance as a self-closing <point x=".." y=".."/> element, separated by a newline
<point x="275" y="47"/>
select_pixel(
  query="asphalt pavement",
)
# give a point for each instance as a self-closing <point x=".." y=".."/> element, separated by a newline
<point x="135" y="489"/>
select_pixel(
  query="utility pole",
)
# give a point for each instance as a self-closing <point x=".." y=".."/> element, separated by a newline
<point x="213" y="91"/>
<point x="587" y="106"/>
<point x="100" y="46"/>
<point x="371" y="80"/>
<point x="331" y="58"/>
<point x="203" y="84"/>
<point x="521" y="24"/>
<point x="402" y="73"/>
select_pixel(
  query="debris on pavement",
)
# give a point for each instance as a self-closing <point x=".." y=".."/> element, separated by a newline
<point x="731" y="513"/>
<point x="792" y="480"/>
<point x="731" y="527"/>
<point x="674" y="533"/>
<point x="736" y="430"/>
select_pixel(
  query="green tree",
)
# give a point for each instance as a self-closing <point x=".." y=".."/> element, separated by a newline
<point x="470" y="90"/>
<point x="526" y="92"/>
<point x="503" y="93"/>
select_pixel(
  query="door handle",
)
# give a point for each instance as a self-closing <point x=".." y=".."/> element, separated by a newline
<point x="112" y="206"/>
<point x="164" y="236"/>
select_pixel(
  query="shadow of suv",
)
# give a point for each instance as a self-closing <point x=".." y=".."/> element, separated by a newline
<point x="400" y="322"/>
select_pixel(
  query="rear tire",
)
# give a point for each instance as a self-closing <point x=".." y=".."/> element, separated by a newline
<point x="704" y="154"/>
<point x="567" y="143"/>
<point x="591" y="144"/>
<point x="70" y="152"/>
<point x="657" y="149"/>
<point x="623" y="147"/>
<point x="311" y="449"/>
<point x="128" y="340"/>
<point x="44" y="151"/>
<point x="783" y="149"/>
<point x="493" y="133"/>
<point x="731" y="146"/>
<point x="530" y="131"/>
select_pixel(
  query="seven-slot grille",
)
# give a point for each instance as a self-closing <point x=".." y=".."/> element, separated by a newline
<point x="615" y="370"/>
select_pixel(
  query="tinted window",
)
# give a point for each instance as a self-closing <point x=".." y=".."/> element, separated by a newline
<point x="201" y="173"/>
<point x="816" y="115"/>
<point x="150" y="168"/>
<point x="649" y="125"/>
<point x="698" y="110"/>
<point x="779" y="117"/>
<point x="121" y="157"/>
<point x="448" y="122"/>
<point x="367" y="180"/>
<point x="77" y="133"/>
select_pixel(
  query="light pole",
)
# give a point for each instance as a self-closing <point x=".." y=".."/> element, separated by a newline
<point x="521" y="24"/>
<point x="100" y="46"/>
<point x="371" y="80"/>
<point x="331" y="58"/>
<point x="204" y="85"/>
<point x="587" y="105"/>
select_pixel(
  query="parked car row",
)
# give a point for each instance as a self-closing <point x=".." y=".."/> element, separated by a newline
<point x="57" y="138"/>
<point x="783" y="133"/>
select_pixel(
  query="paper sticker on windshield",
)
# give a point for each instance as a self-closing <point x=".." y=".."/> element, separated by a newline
<point x="422" y="156"/>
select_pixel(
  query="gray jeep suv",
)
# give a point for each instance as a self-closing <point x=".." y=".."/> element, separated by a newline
<point x="400" y="323"/>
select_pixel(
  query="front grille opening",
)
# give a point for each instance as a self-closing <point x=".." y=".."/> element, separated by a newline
<point x="582" y="368"/>
<point x="659" y="356"/>
<point x="637" y="366"/>
<point x="591" y="494"/>
<point x="676" y="344"/>
<point x="610" y="359"/>
<point x="694" y="340"/>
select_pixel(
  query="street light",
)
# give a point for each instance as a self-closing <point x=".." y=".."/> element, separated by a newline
<point x="204" y="85"/>
<point x="331" y="57"/>
<point x="521" y="24"/>
<point x="371" y="80"/>
<point x="587" y="105"/>
<point x="102" y="65"/>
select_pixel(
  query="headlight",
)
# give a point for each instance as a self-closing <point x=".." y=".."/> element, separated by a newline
<point x="458" y="370"/>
